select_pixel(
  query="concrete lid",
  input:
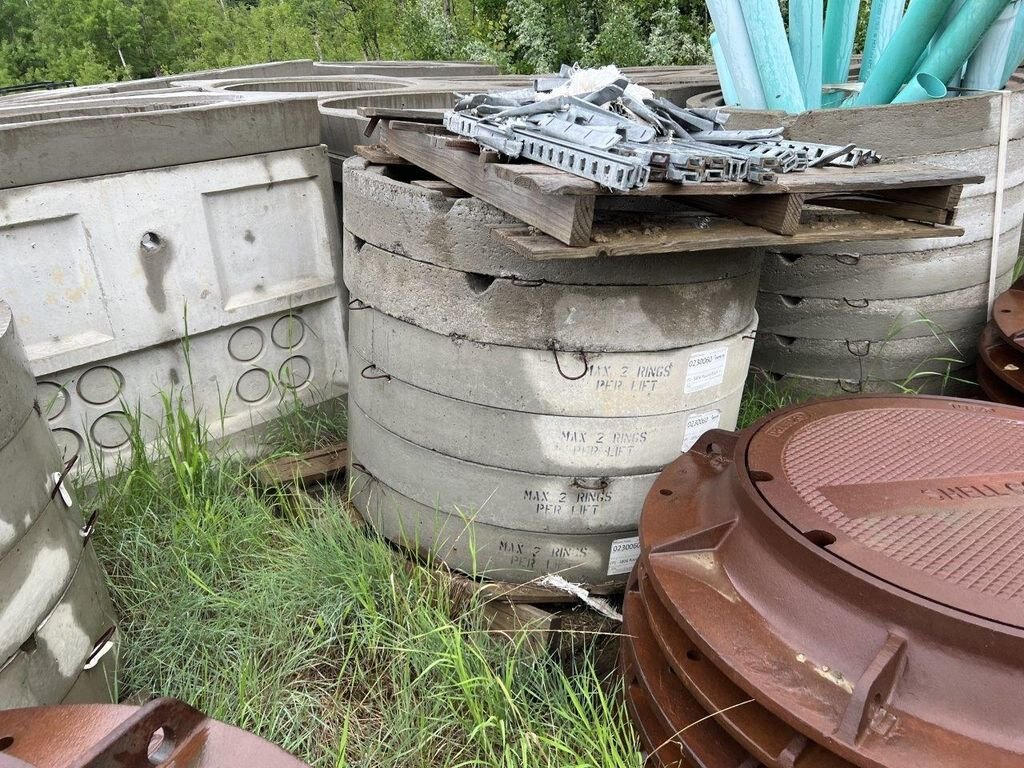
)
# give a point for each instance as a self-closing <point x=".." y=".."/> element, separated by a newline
<point x="92" y="140"/>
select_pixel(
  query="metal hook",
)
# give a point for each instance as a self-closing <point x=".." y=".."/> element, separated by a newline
<point x="857" y="303"/>
<point x="58" y="482"/>
<point x="371" y="378"/>
<point x="558" y="365"/>
<point x="363" y="305"/>
<point x="866" y="347"/>
<point x="86" y="530"/>
<point x="752" y="336"/>
<point x="600" y="485"/>
<point x="523" y="283"/>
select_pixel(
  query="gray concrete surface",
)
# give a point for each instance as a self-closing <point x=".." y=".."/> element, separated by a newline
<point x="44" y="670"/>
<point x="612" y="318"/>
<point x="609" y="383"/>
<point x="455" y="233"/>
<point x="893" y="360"/>
<point x="27" y="464"/>
<point x="17" y="389"/>
<point x="880" y="319"/>
<point x="599" y="560"/>
<point x="532" y="442"/>
<point x="544" y="503"/>
<point x="851" y="273"/>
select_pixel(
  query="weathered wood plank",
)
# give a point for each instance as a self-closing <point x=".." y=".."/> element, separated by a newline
<point x="893" y="208"/>
<point x="776" y="213"/>
<point x="311" y="467"/>
<point x="688" y="233"/>
<point x="884" y="176"/>
<point x="566" y="218"/>
<point x="375" y="153"/>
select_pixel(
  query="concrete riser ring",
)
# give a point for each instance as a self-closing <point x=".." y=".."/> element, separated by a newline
<point x="493" y="495"/>
<point x="456" y="233"/>
<point x="867" y="318"/>
<point x="598" y="384"/>
<point x="892" y="360"/>
<point x="601" y="561"/>
<point x="47" y="666"/>
<point x="528" y="442"/>
<point x="504" y="311"/>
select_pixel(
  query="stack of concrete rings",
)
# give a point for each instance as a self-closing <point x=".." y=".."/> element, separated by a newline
<point x="57" y="624"/>
<point x="892" y="316"/>
<point x="508" y="416"/>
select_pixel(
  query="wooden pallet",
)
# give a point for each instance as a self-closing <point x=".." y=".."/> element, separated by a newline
<point x="880" y="202"/>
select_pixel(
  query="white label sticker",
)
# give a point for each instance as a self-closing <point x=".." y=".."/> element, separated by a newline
<point x="624" y="553"/>
<point x="706" y="369"/>
<point x="697" y="424"/>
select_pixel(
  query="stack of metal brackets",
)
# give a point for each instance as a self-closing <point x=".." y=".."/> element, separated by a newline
<point x="621" y="142"/>
<point x="509" y="415"/>
<point x="57" y="625"/>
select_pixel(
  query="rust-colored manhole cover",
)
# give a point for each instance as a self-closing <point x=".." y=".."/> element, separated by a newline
<point x="1003" y="360"/>
<point x="1008" y="314"/>
<point x="994" y="388"/>
<point x="165" y="732"/>
<point x="855" y="568"/>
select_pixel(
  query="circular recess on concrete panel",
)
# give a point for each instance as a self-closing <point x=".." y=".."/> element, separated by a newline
<point x="100" y="384"/>
<point x="253" y="385"/>
<point x="288" y="331"/>
<point x="840" y="562"/>
<point x="1008" y="314"/>
<point x="111" y="430"/>
<point x="246" y="343"/>
<point x="52" y="398"/>
<point x="295" y="371"/>
<point x="69" y="442"/>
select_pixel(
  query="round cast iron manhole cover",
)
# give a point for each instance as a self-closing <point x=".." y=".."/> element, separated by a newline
<point x="855" y="567"/>
<point x="1008" y="314"/>
<point x="926" y="494"/>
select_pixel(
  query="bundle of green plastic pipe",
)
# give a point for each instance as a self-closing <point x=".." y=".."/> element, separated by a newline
<point x="911" y="52"/>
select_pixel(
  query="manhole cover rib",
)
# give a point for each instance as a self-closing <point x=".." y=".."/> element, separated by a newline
<point x="1008" y="314"/>
<point x="857" y="571"/>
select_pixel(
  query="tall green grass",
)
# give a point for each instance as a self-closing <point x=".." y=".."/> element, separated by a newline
<point x="274" y="611"/>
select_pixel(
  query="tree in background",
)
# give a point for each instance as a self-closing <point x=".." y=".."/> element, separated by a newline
<point x="100" y="40"/>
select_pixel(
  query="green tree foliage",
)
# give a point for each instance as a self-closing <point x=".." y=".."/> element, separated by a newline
<point x="99" y="40"/>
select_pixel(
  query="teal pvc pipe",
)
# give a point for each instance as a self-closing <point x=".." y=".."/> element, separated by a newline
<point x="897" y="61"/>
<point x="837" y="44"/>
<point x="948" y="54"/>
<point x="1015" y="55"/>
<point x="724" y="78"/>
<point x="805" y="30"/>
<point x="922" y="88"/>
<point x="882" y="25"/>
<point x="767" y="34"/>
<point x="727" y="16"/>
<point x="985" y="67"/>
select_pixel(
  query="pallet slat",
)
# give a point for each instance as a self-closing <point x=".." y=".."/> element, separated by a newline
<point x="689" y="235"/>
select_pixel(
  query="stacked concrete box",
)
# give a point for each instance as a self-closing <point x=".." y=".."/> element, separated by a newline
<point x="214" y="223"/>
<point x="882" y="316"/>
<point x="511" y="415"/>
<point x="58" y="631"/>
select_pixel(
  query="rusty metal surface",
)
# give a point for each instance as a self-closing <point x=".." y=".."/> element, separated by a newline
<point x="164" y="732"/>
<point x="1008" y="314"/>
<point x="994" y="388"/>
<point x="856" y="567"/>
<point x="1002" y="359"/>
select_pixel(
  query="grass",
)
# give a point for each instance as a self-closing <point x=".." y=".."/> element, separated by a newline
<point x="275" y="612"/>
